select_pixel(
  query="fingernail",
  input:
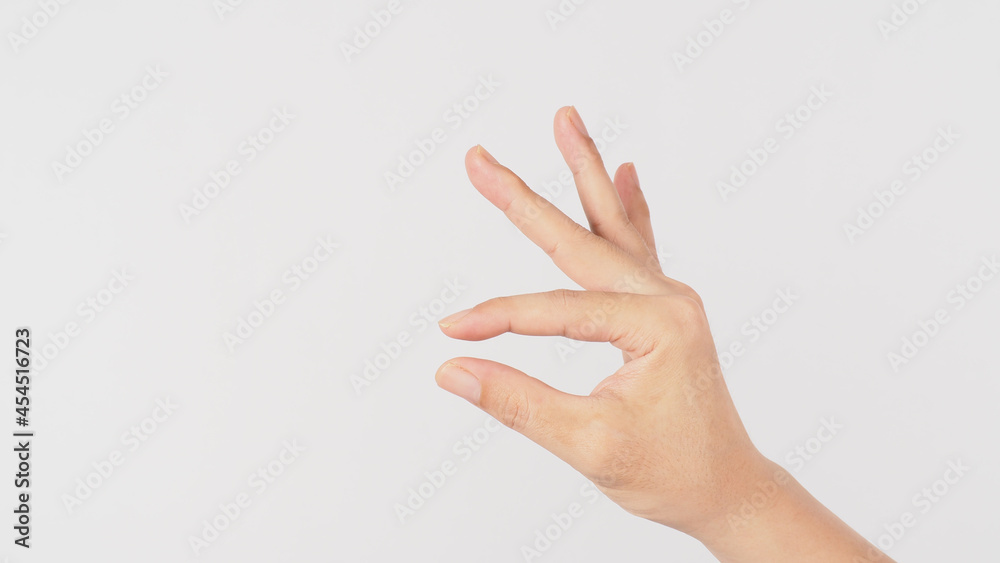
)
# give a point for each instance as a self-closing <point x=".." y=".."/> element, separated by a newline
<point x="453" y="318"/>
<point x="635" y="175"/>
<point x="574" y="116"/>
<point x="460" y="381"/>
<point x="485" y="154"/>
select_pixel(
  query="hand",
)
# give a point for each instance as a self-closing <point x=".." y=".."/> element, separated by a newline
<point x="660" y="436"/>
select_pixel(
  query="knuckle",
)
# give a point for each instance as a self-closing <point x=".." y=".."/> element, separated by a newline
<point x="687" y="307"/>
<point x="491" y="305"/>
<point x="566" y="298"/>
<point x="680" y="310"/>
<point x="512" y="409"/>
<point x="498" y="304"/>
<point x="690" y="293"/>
<point x="553" y="249"/>
<point x="576" y="236"/>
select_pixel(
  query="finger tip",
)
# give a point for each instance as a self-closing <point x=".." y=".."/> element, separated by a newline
<point x="492" y="181"/>
<point x="479" y="159"/>
<point x="473" y="157"/>
<point x="624" y="184"/>
<point x="563" y="118"/>
<point x="449" y="330"/>
<point x="475" y="168"/>
<point x="622" y="173"/>
<point x="455" y="378"/>
<point x="627" y="179"/>
<point x="439" y="374"/>
<point x="453" y="362"/>
<point x="635" y="175"/>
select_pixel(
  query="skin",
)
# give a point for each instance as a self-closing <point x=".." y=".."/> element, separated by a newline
<point x="660" y="436"/>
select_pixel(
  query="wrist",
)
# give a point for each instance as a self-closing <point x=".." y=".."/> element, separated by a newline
<point x="757" y="489"/>
<point x="775" y="519"/>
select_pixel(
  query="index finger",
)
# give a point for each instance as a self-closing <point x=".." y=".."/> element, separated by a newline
<point x="589" y="260"/>
<point x="630" y="322"/>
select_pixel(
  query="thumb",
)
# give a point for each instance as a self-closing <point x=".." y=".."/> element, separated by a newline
<point x="547" y="416"/>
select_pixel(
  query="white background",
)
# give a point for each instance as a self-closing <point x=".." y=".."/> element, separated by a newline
<point x="195" y="277"/>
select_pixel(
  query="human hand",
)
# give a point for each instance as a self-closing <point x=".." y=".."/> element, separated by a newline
<point x="660" y="436"/>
